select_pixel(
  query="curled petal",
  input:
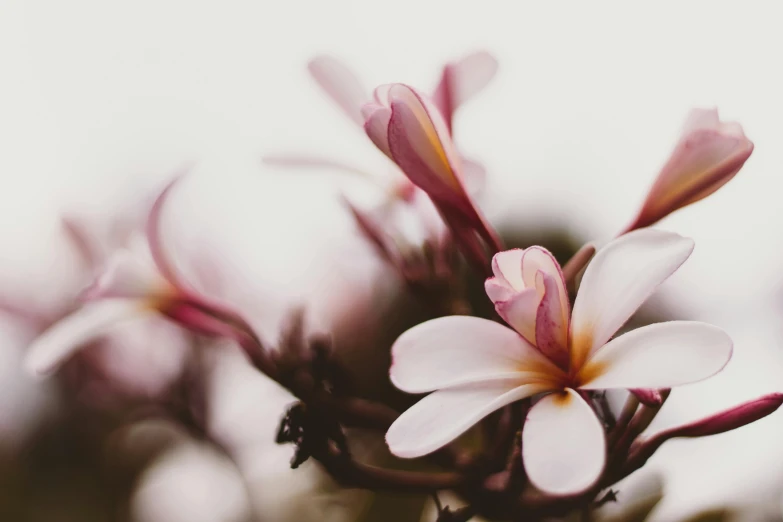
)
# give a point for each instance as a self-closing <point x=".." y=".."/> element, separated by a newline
<point x="520" y="312"/>
<point x="376" y="125"/>
<point x="340" y="84"/>
<point x="444" y="415"/>
<point x="563" y="445"/>
<point x="462" y="80"/>
<point x="507" y="267"/>
<point x="421" y="145"/>
<point x="418" y="141"/>
<point x="708" y="155"/>
<point x="457" y="350"/>
<point x="537" y="259"/>
<point x="620" y="277"/>
<point x="497" y="290"/>
<point x="660" y="355"/>
<point x="68" y="335"/>
<point x="551" y="322"/>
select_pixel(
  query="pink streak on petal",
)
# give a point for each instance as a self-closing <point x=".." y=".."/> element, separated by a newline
<point x="200" y="321"/>
<point x="337" y="80"/>
<point x="551" y="326"/>
<point x="520" y="313"/>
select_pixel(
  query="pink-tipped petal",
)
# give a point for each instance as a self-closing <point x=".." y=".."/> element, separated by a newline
<point x="708" y="155"/>
<point x="563" y="445"/>
<point x="376" y="125"/>
<point x="68" y="335"/>
<point x="538" y="259"/>
<point x="551" y="322"/>
<point x="456" y="350"/>
<point x="660" y="355"/>
<point x="497" y="290"/>
<point x="421" y="145"/>
<point x="463" y="79"/>
<point x="340" y="84"/>
<point x="446" y="414"/>
<point x="620" y="277"/>
<point x="155" y="239"/>
<point x="507" y="267"/>
<point x="520" y="312"/>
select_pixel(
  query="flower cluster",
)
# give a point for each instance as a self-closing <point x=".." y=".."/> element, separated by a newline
<point x="530" y="379"/>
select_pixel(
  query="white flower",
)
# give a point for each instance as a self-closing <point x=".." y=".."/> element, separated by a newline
<point x="476" y="366"/>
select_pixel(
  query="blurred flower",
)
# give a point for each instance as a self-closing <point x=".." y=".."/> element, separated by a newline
<point x="476" y="366"/>
<point x="405" y="226"/>
<point x="710" y="152"/>
<point x="138" y="281"/>
<point x="407" y="127"/>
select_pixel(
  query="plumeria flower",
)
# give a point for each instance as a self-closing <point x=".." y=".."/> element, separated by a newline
<point x="475" y="366"/>
<point x="709" y="153"/>
<point x="137" y="282"/>
<point x="407" y="127"/>
<point x="404" y="211"/>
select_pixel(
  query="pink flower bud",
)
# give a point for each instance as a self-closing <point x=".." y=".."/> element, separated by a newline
<point x="648" y="397"/>
<point x="709" y="153"/>
<point x="407" y="127"/>
<point x="722" y="422"/>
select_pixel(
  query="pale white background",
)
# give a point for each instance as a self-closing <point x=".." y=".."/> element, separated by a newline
<point x="96" y="96"/>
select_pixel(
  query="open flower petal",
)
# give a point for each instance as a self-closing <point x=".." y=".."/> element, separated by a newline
<point x="93" y="319"/>
<point x="444" y="415"/>
<point x="563" y="446"/>
<point x="660" y="355"/>
<point x="621" y="276"/>
<point x="340" y="84"/>
<point x="457" y="350"/>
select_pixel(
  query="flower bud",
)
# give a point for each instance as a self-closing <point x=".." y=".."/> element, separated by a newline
<point x="709" y="153"/>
